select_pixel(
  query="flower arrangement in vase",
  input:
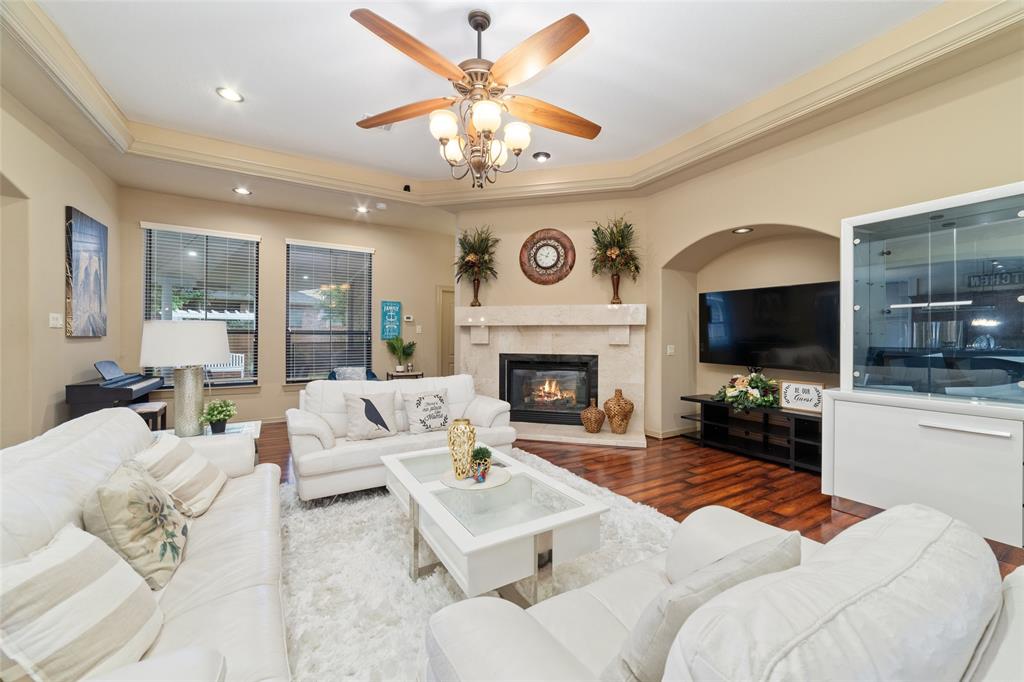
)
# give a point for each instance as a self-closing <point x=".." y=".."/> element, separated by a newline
<point x="476" y="258"/>
<point x="480" y="463"/>
<point x="750" y="390"/>
<point x="217" y="413"/>
<point x="615" y="252"/>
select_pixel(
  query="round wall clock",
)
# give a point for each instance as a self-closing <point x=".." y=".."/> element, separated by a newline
<point x="547" y="256"/>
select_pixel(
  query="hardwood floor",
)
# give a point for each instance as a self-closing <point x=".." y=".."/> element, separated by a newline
<point x="676" y="477"/>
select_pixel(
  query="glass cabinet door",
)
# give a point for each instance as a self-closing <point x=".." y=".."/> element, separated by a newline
<point x="939" y="303"/>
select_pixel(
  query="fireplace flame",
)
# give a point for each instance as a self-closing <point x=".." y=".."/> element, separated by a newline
<point x="550" y="392"/>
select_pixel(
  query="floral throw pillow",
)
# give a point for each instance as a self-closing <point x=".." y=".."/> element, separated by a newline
<point x="138" y="520"/>
<point x="427" y="411"/>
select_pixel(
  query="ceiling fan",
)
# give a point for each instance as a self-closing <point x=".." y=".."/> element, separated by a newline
<point x="468" y="135"/>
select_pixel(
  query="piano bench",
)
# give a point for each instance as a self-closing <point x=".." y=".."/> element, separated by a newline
<point x="155" y="414"/>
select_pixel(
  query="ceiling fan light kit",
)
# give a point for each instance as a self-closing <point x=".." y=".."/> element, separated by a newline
<point x="468" y="135"/>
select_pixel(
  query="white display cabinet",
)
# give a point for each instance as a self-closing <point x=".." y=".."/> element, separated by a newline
<point x="930" y="407"/>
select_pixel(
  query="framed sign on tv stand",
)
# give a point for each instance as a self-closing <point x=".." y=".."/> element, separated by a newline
<point x="788" y="437"/>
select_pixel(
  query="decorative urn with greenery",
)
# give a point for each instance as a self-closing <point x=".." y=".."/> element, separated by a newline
<point x="217" y="413"/>
<point x="476" y="258"/>
<point x="752" y="390"/>
<point x="480" y="463"/>
<point x="401" y="350"/>
<point x="615" y="252"/>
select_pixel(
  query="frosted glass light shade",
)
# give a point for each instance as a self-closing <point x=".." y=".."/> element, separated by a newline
<point x="443" y="124"/>
<point x="499" y="153"/>
<point x="486" y="115"/>
<point x="452" y="151"/>
<point x="184" y="343"/>
<point x="517" y="135"/>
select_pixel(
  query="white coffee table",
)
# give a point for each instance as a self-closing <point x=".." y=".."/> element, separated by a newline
<point x="250" y="427"/>
<point x="489" y="539"/>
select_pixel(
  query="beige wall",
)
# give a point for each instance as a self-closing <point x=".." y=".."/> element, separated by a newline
<point x="51" y="175"/>
<point x="960" y="135"/>
<point x="408" y="266"/>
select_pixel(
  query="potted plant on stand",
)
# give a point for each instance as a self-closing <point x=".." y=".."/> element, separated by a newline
<point x="217" y="413"/>
<point x="615" y="252"/>
<point x="480" y="463"/>
<point x="401" y="350"/>
<point x="476" y="258"/>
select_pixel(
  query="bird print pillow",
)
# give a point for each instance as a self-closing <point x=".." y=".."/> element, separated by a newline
<point x="370" y="416"/>
<point x="427" y="411"/>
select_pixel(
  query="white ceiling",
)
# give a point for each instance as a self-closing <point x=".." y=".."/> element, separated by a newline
<point x="648" y="71"/>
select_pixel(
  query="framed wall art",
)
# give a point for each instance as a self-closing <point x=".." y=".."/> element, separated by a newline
<point x="85" y="275"/>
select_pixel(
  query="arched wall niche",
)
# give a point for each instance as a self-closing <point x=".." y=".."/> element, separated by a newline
<point x="770" y="255"/>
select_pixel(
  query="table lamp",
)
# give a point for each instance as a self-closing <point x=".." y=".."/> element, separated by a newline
<point x="185" y="345"/>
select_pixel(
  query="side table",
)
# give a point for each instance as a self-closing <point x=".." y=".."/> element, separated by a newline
<point x="404" y="375"/>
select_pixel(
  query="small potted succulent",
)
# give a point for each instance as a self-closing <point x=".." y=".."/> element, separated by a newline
<point x="480" y="463"/>
<point x="217" y="413"/>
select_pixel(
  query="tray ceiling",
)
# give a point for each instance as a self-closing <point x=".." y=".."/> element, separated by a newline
<point x="648" y="72"/>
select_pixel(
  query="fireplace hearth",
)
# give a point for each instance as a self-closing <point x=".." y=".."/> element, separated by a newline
<point x="548" y="389"/>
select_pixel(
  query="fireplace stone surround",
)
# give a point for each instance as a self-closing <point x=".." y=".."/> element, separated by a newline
<point x="615" y="334"/>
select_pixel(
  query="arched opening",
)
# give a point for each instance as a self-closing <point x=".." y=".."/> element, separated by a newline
<point x="766" y="255"/>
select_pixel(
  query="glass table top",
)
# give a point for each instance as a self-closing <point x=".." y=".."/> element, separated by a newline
<point x="521" y="500"/>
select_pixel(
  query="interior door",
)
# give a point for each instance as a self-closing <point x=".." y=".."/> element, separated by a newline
<point x="446" y="330"/>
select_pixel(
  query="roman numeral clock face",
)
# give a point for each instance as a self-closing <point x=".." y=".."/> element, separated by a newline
<point x="547" y="256"/>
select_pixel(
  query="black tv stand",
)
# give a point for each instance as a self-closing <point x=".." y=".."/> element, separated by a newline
<point x="782" y="436"/>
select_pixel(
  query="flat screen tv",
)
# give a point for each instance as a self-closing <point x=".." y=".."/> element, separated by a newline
<point x="791" y="327"/>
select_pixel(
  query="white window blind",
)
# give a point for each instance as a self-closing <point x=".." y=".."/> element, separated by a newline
<point x="329" y="316"/>
<point x="201" y="276"/>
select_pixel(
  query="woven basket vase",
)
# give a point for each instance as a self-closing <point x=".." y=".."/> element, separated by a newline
<point x="619" y="409"/>
<point x="592" y="417"/>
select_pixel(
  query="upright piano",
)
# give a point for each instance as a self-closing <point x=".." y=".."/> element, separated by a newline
<point x="114" y="389"/>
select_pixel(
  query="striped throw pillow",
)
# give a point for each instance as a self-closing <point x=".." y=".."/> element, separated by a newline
<point x="71" y="609"/>
<point x="193" y="480"/>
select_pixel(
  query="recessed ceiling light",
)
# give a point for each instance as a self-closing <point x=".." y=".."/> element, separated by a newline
<point x="362" y="209"/>
<point x="230" y="95"/>
<point x="743" y="230"/>
<point x="242" y="190"/>
<point x="193" y="253"/>
<point x="541" y="157"/>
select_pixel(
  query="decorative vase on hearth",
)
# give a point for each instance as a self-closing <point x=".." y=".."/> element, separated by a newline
<point x="461" y="441"/>
<point x="592" y="417"/>
<point x="619" y="410"/>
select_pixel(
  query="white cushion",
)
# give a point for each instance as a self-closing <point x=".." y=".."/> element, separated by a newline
<point x="350" y="373"/>
<point x="905" y="595"/>
<point x="371" y="416"/>
<point x="73" y="608"/>
<point x="192" y="479"/>
<point x="428" y="411"/>
<point x="644" y="652"/>
<point x="43" y="481"/>
<point x="1002" y="658"/>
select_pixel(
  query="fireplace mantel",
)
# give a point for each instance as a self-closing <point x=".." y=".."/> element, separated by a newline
<point x="617" y="318"/>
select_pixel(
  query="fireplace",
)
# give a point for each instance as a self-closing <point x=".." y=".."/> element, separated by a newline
<point x="550" y="389"/>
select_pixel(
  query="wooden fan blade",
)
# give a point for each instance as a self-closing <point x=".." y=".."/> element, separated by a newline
<point x="404" y="113"/>
<point x="403" y="42"/>
<point x="549" y="116"/>
<point x="529" y="57"/>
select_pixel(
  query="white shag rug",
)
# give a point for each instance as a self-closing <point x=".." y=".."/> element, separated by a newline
<point x="351" y="610"/>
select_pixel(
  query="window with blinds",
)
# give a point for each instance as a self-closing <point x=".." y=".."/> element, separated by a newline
<point x="195" y="276"/>
<point x="329" y="316"/>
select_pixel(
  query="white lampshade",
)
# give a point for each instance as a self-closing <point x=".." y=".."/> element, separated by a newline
<point x="517" y="135"/>
<point x="499" y="153"/>
<point x="452" y="151"/>
<point x="443" y="124"/>
<point x="486" y="115"/>
<point x="184" y="343"/>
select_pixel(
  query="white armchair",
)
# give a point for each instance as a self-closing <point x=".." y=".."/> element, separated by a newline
<point x="326" y="463"/>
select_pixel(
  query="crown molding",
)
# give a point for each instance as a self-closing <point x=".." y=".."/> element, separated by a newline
<point x="927" y="39"/>
<point x="30" y="27"/>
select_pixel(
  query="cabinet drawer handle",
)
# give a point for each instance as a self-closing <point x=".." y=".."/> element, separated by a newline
<point x="966" y="429"/>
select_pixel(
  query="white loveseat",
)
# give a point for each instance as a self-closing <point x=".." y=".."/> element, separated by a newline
<point x="326" y="463"/>
<point x="848" y="610"/>
<point x="223" y="617"/>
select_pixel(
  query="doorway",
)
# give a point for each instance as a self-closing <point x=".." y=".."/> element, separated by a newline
<point x="445" y="331"/>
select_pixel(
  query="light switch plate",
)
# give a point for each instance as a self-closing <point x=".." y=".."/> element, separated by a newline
<point x="670" y="349"/>
<point x="56" y="321"/>
<point x="419" y="329"/>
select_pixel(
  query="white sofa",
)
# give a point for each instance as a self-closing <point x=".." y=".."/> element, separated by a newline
<point x="223" y="617"/>
<point x="325" y="463"/>
<point x="575" y="635"/>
